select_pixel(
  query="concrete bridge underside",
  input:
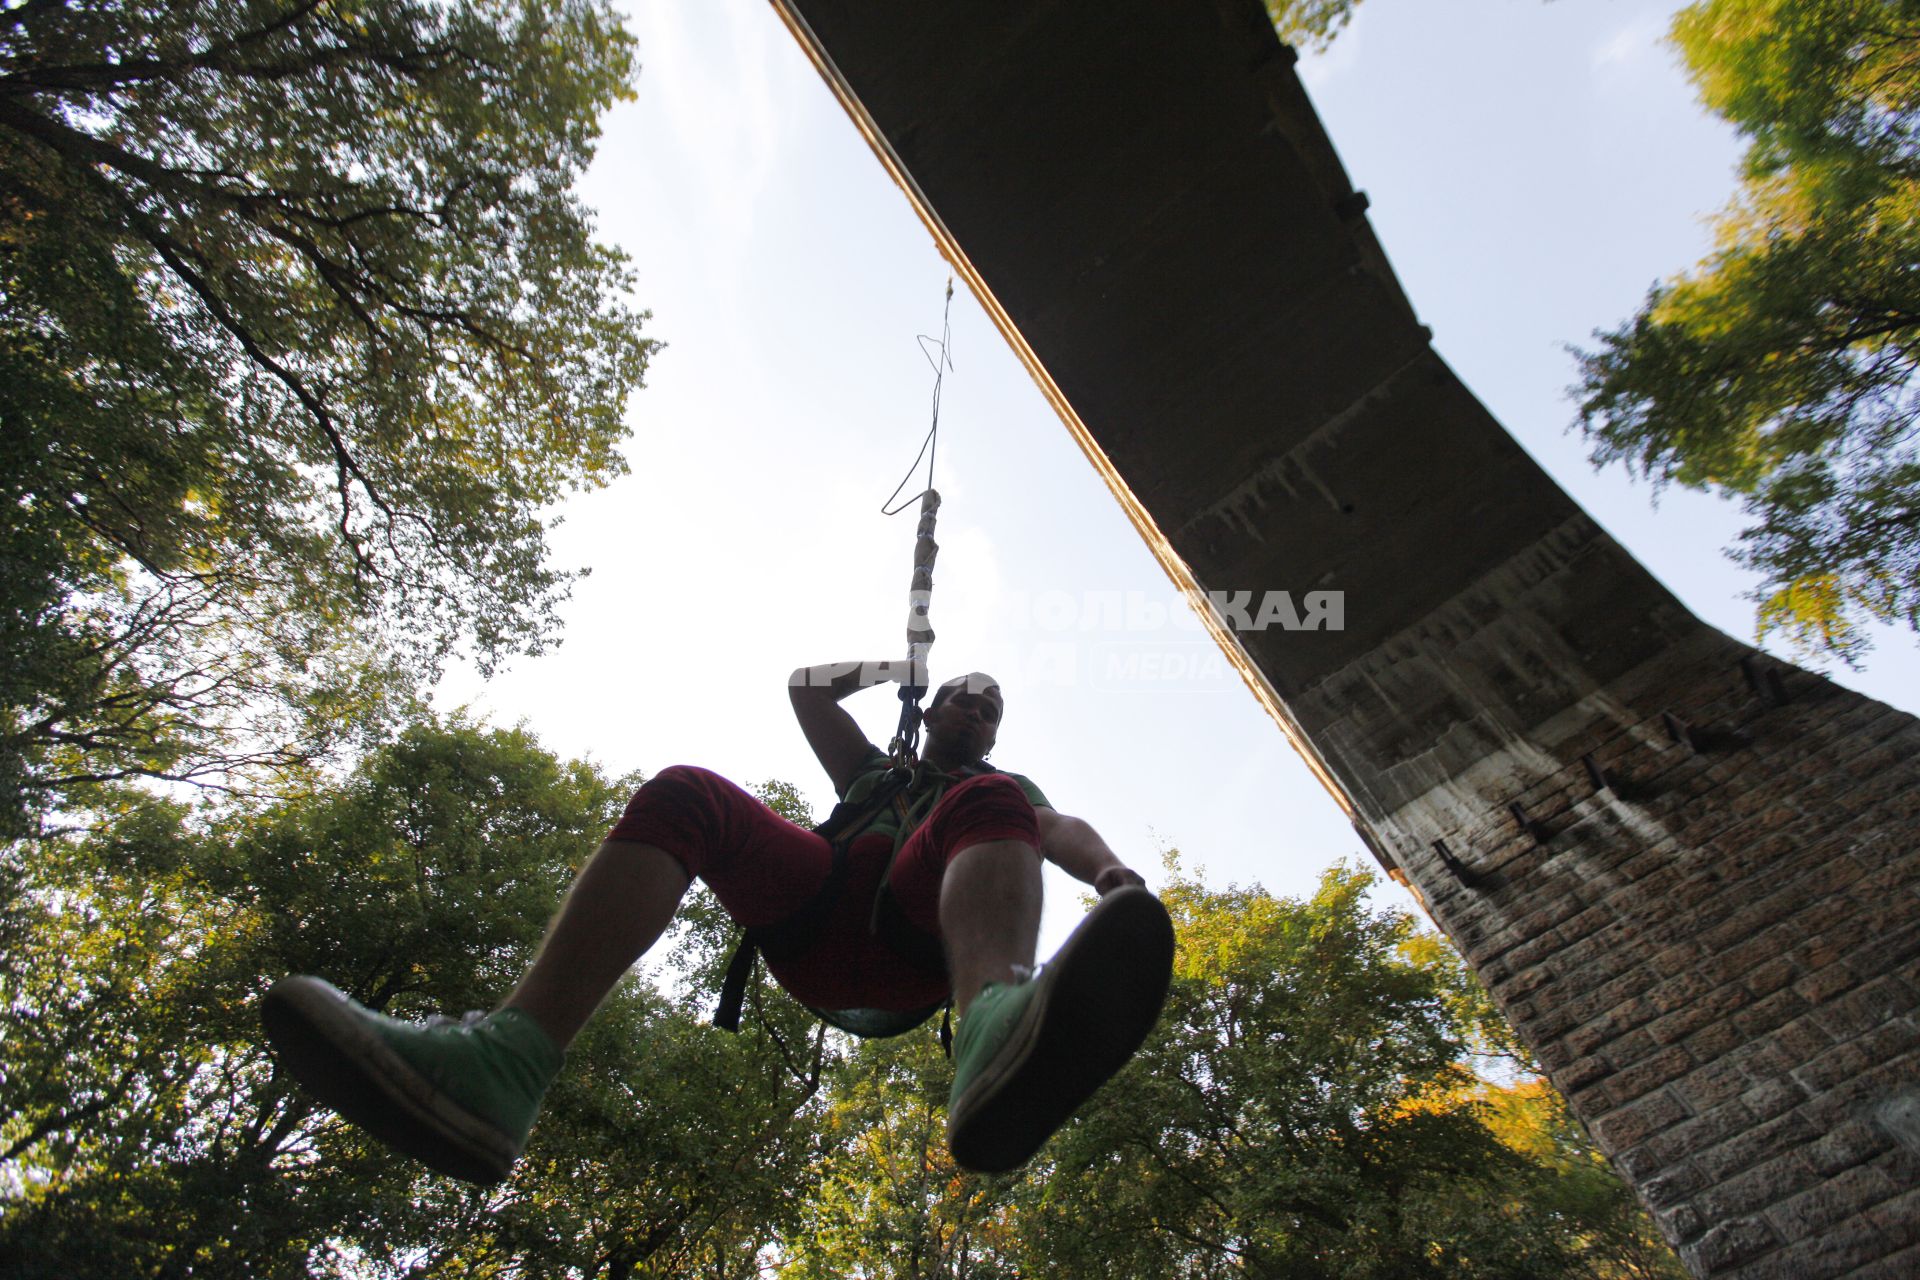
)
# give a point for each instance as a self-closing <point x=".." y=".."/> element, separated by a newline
<point x="1686" y="872"/>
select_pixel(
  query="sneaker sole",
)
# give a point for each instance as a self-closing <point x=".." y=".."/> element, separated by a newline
<point x="324" y="1046"/>
<point x="1098" y="1000"/>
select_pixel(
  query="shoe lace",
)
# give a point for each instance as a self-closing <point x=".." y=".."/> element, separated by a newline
<point x="468" y="1019"/>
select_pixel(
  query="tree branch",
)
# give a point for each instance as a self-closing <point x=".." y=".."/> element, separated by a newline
<point x="75" y="144"/>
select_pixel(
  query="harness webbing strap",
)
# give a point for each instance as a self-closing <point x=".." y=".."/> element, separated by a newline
<point x="733" y="991"/>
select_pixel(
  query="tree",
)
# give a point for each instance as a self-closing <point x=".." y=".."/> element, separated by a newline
<point x="1781" y="369"/>
<point x="1310" y="24"/>
<point x="1611" y="1236"/>
<point x="145" y="1130"/>
<point x="888" y="1202"/>
<point x="1305" y="1110"/>
<point x="301" y="333"/>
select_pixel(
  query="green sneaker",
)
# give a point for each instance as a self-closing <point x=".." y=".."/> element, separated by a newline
<point x="1029" y="1053"/>
<point x="458" y="1096"/>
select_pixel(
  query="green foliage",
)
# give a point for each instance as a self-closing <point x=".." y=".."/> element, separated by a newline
<point x="1780" y="370"/>
<point x="1301" y="1114"/>
<point x="301" y="330"/>
<point x="1305" y="1109"/>
<point x="144" y="1130"/>
<point x="889" y="1203"/>
<point x="1612" y="1237"/>
<point x="1310" y="24"/>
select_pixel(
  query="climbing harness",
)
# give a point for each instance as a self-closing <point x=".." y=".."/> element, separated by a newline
<point x="872" y="795"/>
<point x="911" y="796"/>
<point x="907" y="787"/>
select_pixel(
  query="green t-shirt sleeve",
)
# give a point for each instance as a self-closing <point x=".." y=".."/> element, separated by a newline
<point x="1035" y="796"/>
<point x="875" y="761"/>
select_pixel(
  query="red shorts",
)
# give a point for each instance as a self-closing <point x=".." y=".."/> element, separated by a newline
<point x="764" y="868"/>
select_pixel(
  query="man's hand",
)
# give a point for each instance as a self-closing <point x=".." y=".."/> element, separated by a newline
<point x="836" y="680"/>
<point x="1114" y="877"/>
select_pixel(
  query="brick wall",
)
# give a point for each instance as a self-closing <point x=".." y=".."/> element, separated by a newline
<point x="1709" y="930"/>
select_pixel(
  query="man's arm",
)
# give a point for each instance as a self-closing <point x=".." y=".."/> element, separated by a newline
<point x="1077" y="849"/>
<point x="816" y="693"/>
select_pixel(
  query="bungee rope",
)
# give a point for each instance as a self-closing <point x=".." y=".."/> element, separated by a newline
<point x="903" y="751"/>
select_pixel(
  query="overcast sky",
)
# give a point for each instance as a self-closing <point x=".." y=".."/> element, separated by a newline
<point x="1532" y="168"/>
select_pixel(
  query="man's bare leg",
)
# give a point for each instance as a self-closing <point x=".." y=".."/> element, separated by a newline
<point x="990" y="915"/>
<point x="1035" y="1048"/>
<point x="619" y="905"/>
<point x="463" y="1096"/>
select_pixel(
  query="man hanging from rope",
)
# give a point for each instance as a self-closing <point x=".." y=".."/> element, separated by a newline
<point x="935" y="896"/>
